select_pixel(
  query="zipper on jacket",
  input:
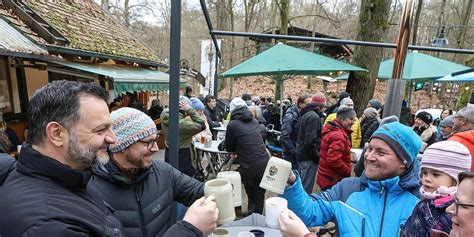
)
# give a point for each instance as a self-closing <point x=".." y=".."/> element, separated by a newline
<point x="363" y="227"/>
<point x="140" y="211"/>
<point x="383" y="210"/>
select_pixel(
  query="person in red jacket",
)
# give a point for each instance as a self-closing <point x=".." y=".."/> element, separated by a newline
<point x="335" y="154"/>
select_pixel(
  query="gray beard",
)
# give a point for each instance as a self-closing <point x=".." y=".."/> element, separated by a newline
<point x="84" y="155"/>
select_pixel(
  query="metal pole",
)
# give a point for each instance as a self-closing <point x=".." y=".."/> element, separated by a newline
<point x="175" y="49"/>
<point x="396" y="86"/>
<point x="216" y="76"/>
<point x="338" y="41"/>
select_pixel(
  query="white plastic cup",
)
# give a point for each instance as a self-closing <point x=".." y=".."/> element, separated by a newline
<point x="274" y="206"/>
<point x="18" y="148"/>
<point x="276" y="175"/>
<point x="246" y="234"/>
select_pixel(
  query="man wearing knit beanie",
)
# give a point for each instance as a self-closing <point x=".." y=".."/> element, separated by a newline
<point x="446" y="127"/>
<point x="384" y="196"/>
<point x="374" y="103"/>
<point x="309" y="140"/>
<point x="335" y="154"/>
<point x="356" y="135"/>
<point x="132" y="168"/>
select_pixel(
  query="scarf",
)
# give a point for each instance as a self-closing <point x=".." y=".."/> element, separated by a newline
<point x="442" y="191"/>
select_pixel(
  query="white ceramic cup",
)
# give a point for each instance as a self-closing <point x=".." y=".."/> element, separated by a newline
<point x="235" y="181"/>
<point x="18" y="148"/>
<point x="273" y="208"/>
<point x="221" y="189"/>
<point x="246" y="234"/>
<point x="276" y="175"/>
<point x="220" y="232"/>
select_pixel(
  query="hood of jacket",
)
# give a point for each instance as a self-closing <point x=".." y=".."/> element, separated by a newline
<point x="242" y="114"/>
<point x="112" y="173"/>
<point x="310" y="107"/>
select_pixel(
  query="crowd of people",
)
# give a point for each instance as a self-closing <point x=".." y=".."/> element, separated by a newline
<point x="87" y="168"/>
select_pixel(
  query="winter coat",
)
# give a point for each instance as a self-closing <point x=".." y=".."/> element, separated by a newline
<point x="335" y="155"/>
<point x="289" y="129"/>
<point x="44" y="197"/>
<point x="190" y="123"/>
<point x="213" y="119"/>
<point x="427" y="135"/>
<point x="367" y="130"/>
<point x="427" y="215"/>
<point x="360" y="207"/>
<point x="7" y="164"/>
<point x="372" y="128"/>
<point x="155" y="112"/>
<point x="245" y="137"/>
<point x="356" y="135"/>
<point x="309" y="135"/>
<point x="467" y="139"/>
<point x="144" y="205"/>
<point x="406" y="118"/>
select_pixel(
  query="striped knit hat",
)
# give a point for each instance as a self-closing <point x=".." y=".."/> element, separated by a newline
<point x="449" y="157"/>
<point x="130" y="125"/>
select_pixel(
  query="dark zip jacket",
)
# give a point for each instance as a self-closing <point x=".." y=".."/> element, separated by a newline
<point x="144" y="205"/>
<point x="43" y="197"/>
<point x="245" y="136"/>
<point x="310" y="126"/>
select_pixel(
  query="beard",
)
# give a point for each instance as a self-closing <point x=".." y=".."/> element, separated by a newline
<point x="85" y="155"/>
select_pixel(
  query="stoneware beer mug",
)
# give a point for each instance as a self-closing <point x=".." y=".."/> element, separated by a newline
<point x="235" y="181"/>
<point x="276" y="175"/>
<point x="222" y="192"/>
<point x="273" y="208"/>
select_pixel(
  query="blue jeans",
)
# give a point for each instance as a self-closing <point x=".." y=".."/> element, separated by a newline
<point x="308" y="170"/>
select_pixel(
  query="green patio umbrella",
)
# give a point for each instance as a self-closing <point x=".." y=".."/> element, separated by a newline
<point x="420" y="67"/>
<point x="282" y="62"/>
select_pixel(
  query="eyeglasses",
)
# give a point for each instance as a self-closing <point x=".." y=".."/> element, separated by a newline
<point x="150" y="144"/>
<point x="457" y="204"/>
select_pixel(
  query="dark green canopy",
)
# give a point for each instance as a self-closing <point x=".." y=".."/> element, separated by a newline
<point x="285" y="60"/>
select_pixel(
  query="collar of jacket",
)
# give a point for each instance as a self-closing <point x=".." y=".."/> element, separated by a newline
<point x="111" y="172"/>
<point x="408" y="181"/>
<point x="390" y="185"/>
<point x="32" y="163"/>
<point x="338" y="124"/>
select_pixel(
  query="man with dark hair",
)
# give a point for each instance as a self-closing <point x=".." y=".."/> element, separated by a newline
<point x="289" y="130"/>
<point x="69" y="122"/>
<point x="310" y="126"/>
<point x="212" y="116"/>
<point x="188" y="92"/>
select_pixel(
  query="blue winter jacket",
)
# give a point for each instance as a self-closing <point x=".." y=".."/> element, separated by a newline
<point x="360" y="207"/>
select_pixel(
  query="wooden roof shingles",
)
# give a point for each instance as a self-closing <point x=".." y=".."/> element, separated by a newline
<point x="88" y="27"/>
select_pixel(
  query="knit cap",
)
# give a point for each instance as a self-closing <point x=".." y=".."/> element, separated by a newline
<point x="449" y="157"/>
<point x="347" y="101"/>
<point x="402" y="139"/>
<point x="375" y="104"/>
<point x="448" y="121"/>
<point x="344" y="112"/>
<point x="319" y="99"/>
<point x="237" y="103"/>
<point x="370" y="113"/>
<point x="130" y="125"/>
<point x="185" y="99"/>
<point x="389" y="119"/>
<point x="196" y="103"/>
<point x="425" y="117"/>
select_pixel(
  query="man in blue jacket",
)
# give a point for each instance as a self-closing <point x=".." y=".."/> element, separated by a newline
<point x="378" y="202"/>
